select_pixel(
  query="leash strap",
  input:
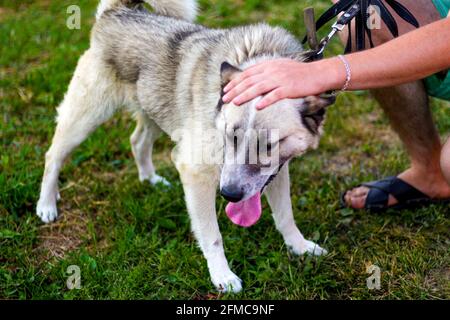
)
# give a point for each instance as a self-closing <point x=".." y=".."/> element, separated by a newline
<point x="339" y="25"/>
<point x="358" y="10"/>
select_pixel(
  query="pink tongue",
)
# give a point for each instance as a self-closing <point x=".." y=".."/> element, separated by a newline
<point x="245" y="213"/>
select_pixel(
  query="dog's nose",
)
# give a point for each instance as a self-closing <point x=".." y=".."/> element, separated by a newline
<point x="232" y="194"/>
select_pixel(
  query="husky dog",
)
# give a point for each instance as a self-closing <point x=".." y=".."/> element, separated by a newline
<point x="170" y="73"/>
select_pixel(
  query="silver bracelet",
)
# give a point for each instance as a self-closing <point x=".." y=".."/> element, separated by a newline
<point x="347" y="70"/>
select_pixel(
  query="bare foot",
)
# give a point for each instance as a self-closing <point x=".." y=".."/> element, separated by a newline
<point x="433" y="186"/>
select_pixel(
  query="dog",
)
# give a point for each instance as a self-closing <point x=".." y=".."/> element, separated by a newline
<point x="170" y="73"/>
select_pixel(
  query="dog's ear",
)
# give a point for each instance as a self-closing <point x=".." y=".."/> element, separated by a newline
<point x="228" y="72"/>
<point x="314" y="104"/>
<point x="314" y="109"/>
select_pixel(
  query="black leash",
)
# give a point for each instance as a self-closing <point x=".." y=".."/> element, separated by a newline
<point x="358" y="10"/>
<point x="339" y="25"/>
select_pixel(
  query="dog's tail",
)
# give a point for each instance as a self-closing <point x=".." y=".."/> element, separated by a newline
<point x="181" y="9"/>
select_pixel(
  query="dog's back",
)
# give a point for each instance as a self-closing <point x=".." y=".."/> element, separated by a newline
<point x="181" y="9"/>
<point x="156" y="51"/>
<point x="131" y="39"/>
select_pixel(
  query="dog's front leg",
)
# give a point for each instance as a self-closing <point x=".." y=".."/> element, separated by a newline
<point x="279" y="197"/>
<point x="200" y="184"/>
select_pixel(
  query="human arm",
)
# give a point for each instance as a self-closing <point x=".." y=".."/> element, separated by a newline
<point x="413" y="56"/>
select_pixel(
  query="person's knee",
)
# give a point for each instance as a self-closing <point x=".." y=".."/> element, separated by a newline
<point x="445" y="161"/>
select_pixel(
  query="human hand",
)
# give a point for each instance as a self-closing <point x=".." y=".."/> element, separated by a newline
<point x="281" y="79"/>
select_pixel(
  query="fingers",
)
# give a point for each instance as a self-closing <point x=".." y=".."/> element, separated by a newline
<point x="247" y="90"/>
<point x="271" y="98"/>
<point x="255" y="82"/>
<point x="250" y="72"/>
<point x="239" y="85"/>
<point x="253" y="92"/>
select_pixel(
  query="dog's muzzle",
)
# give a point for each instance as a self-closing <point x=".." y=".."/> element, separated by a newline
<point x="272" y="177"/>
<point x="232" y="193"/>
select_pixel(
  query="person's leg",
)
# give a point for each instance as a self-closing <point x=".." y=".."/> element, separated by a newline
<point x="445" y="161"/>
<point x="409" y="113"/>
<point x="415" y="127"/>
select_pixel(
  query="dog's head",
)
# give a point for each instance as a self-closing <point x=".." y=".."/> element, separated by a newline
<point x="259" y="143"/>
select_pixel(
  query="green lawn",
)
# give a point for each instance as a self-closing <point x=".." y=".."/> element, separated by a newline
<point x="133" y="241"/>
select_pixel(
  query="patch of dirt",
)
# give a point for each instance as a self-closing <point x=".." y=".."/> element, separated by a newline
<point x="438" y="282"/>
<point x="62" y="236"/>
<point x="350" y="152"/>
<point x="368" y="127"/>
<point x="338" y="164"/>
<point x="209" y="296"/>
<point x="17" y="8"/>
<point x="4" y="12"/>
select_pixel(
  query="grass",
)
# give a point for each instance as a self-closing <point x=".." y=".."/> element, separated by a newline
<point x="133" y="241"/>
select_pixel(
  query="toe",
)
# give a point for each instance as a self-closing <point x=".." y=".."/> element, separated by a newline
<point x="360" y="192"/>
<point x="358" y="202"/>
<point x="315" y="249"/>
<point x="47" y="213"/>
<point x="311" y="248"/>
<point x="44" y="217"/>
<point x="348" y="199"/>
<point x="228" y="282"/>
<point x="233" y="285"/>
<point x="156" y="179"/>
<point x="356" y="198"/>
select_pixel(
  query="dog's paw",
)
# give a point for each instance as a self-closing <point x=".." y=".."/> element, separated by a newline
<point x="227" y="282"/>
<point x="46" y="211"/>
<point x="157" y="179"/>
<point x="308" y="247"/>
<point x="315" y="249"/>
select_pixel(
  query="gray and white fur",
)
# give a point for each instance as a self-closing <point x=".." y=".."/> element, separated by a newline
<point x="169" y="72"/>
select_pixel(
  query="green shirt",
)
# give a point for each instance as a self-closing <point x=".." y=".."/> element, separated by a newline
<point x="443" y="7"/>
<point x="439" y="87"/>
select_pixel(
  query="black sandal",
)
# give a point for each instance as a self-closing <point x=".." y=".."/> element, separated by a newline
<point x="407" y="196"/>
